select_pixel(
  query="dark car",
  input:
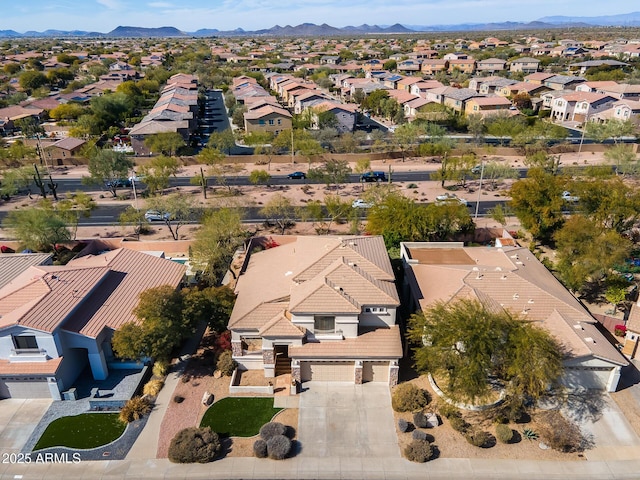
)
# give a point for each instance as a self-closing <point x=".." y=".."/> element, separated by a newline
<point x="374" y="177"/>
<point x="297" y="175"/>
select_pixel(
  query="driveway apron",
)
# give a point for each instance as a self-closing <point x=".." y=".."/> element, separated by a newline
<point x="343" y="420"/>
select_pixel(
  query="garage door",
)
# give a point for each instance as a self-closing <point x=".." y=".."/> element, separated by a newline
<point x="375" y="372"/>
<point x="31" y="387"/>
<point x="580" y="378"/>
<point x="327" y="371"/>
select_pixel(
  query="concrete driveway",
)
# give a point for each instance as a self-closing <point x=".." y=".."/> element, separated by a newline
<point x="342" y="420"/>
<point x="18" y="419"/>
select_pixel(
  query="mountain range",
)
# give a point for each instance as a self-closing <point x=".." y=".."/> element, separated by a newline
<point x="312" y="30"/>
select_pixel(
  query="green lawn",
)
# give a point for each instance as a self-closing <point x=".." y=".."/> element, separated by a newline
<point x="88" y="430"/>
<point x="239" y="416"/>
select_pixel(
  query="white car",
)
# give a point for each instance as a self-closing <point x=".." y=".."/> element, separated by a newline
<point x="136" y="178"/>
<point x="449" y="197"/>
<point x="156" y="216"/>
<point x="359" y="203"/>
<point x="567" y="197"/>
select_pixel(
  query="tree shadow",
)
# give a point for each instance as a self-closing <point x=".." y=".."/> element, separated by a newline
<point x="435" y="452"/>
<point x="629" y="377"/>
<point x="296" y="449"/>
<point x="490" y="443"/>
<point x="584" y="406"/>
<point x="290" y="432"/>
<point x="226" y="444"/>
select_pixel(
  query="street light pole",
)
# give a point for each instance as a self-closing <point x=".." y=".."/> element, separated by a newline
<point x="584" y="129"/>
<point x="475" y="217"/>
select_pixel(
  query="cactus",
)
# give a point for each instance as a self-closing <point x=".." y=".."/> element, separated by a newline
<point x="52" y="188"/>
<point x="38" y="181"/>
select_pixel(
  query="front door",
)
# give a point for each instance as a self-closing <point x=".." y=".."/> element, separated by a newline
<point x="283" y="362"/>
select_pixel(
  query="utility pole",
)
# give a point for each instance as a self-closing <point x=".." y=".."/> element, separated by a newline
<point x="475" y="217"/>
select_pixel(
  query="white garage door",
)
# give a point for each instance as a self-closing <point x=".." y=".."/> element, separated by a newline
<point x="31" y="387"/>
<point x="581" y="378"/>
<point x="375" y="372"/>
<point x="327" y="371"/>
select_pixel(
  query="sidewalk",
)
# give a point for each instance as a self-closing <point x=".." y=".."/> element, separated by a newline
<point x="146" y="446"/>
<point x="313" y="468"/>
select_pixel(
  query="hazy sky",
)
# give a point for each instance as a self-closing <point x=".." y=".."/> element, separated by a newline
<point x="191" y="15"/>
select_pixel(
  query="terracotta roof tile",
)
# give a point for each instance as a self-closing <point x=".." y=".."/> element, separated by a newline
<point x="376" y="343"/>
<point x="50" y="367"/>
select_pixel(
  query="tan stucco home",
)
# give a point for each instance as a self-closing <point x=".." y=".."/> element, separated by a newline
<point x="320" y="308"/>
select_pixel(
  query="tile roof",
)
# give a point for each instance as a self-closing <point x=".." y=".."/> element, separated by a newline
<point x="49" y="367"/>
<point x="513" y="279"/>
<point x="313" y="274"/>
<point x="86" y="295"/>
<point x="376" y="343"/>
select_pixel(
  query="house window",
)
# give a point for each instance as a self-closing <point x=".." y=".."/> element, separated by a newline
<point x="271" y="122"/>
<point x="23" y="342"/>
<point x="260" y="122"/>
<point x="324" y="324"/>
<point x="279" y="121"/>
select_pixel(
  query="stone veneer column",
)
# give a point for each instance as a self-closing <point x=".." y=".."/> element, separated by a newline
<point x="236" y="348"/>
<point x="393" y="373"/>
<point x="295" y="371"/>
<point x="358" y="372"/>
<point x="268" y="356"/>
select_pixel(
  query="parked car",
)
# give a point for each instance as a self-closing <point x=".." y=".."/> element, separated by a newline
<point x="476" y="170"/>
<point x="373" y="177"/>
<point x="297" y="176"/>
<point x="567" y="197"/>
<point x="359" y="203"/>
<point x="156" y="216"/>
<point x="137" y="177"/>
<point x="449" y="198"/>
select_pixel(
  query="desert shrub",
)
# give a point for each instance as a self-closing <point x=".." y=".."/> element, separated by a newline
<point x="447" y="410"/>
<point x="504" y="434"/>
<point x="272" y="429"/>
<point x="278" y="447"/>
<point x="418" y="451"/>
<point x="160" y="368"/>
<point x="260" y="448"/>
<point x="178" y="399"/>
<point x="560" y="433"/>
<point x="193" y="444"/>
<point x="226" y="364"/>
<point x="134" y="409"/>
<point x="477" y="438"/>
<point x="458" y="424"/>
<point x="420" y="420"/>
<point x="409" y="398"/>
<point x="153" y="387"/>
<point x="419" y="435"/>
<point x="185" y="378"/>
<point x="529" y="434"/>
<point x="412" y="185"/>
<point x="403" y="425"/>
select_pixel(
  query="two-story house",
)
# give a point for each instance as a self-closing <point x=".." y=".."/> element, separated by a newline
<point x="525" y="65"/>
<point x="321" y="308"/>
<point x="578" y="106"/>
<point x="57" y="320"/>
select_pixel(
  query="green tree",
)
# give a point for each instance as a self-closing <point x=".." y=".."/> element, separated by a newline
<point x="110" y="109"/>
<point x="337" y="210"/>
<point x="259" y="176"/>
<point x="615" y="294"/>
<point x="332" y="172"/>
<point x="466" y="343"/>
<point x="587" y="252"/>
<point x="179" y="207"/>
<point x="32" y="79"/>
<point x="37" y="228"/>
<point x="222" y="141"/>
<point x="212" y="305"/>
<point x="106" y="167"/>
<point x="621" y="156"/>
<point x="167" y="143"/>
<point x="67" y="111"/>
<point x="135" y="217"/>
<point x="476" y="127"/>
<point x="263" y="143"/>
<point x="161" y="326"/>
<point x="611" y="203"/>
<point x="281" y="211"/>
<point x="537" y="202"/>
<point x="220" y="234"/>
<point x="16" y="179"/>
<point x="390" y="65"/>
<point x="157" y="172"/>
<point x="218" y="167"/>
<point x="78" y="205"/>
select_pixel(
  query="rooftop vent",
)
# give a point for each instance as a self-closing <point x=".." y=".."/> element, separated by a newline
<point x="286" y="274"/>
<point x="577" y="326"/>
<point x="503" y="277"/>
<point x="530" y="300"/>
<point x="498" y="269"/>
<point x="589" y="340"/>
<point x="516" y="296"/>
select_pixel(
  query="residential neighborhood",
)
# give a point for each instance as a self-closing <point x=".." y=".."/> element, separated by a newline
<point x="354" y="254"/>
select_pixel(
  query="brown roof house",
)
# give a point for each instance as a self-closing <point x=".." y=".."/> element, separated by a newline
<point x="57" y="320"/>
<point x="322" y="308"/>
<point x="511" y="278"/>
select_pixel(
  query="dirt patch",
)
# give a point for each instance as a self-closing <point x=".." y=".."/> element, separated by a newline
<point x="252" y="378"/>
<point x="451" y="444"/>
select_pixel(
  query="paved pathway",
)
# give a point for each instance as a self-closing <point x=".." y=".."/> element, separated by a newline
<point x="146" y="446"/>
<point x="347" y="421"/>
<point x="18" y="419"/>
